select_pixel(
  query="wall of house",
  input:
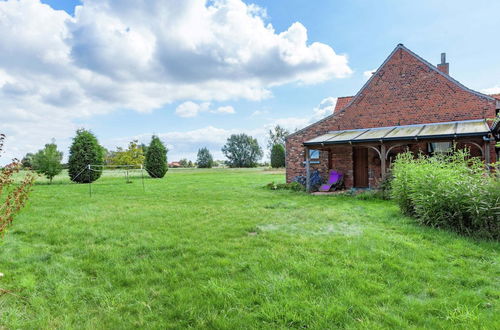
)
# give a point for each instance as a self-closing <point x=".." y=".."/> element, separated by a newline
<point x="404" y="91"/>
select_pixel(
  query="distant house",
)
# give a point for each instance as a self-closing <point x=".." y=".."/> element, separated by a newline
<point x="174" y="164"/>
<point x="407" y="103"/>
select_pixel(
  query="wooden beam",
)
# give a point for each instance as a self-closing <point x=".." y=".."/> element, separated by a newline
<point x="487" y="153"/>
<point x="383" y="158"/>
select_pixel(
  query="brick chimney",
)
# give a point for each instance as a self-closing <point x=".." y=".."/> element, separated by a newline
<point x="443" y="66"/>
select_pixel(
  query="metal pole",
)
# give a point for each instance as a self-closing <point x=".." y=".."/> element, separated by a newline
<point x="90" y="181"/>
<point x="142" y="178"/>
<point x="308" y="172"/>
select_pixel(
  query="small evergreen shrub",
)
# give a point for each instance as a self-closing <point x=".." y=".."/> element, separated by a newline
<point x="448" y="191"/>
<point x="156" y="158"/>
<point x="85" y="150"/>
<point x="278" y="156"/>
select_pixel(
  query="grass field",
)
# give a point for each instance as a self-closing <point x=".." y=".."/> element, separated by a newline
<point x="212" y="248"/>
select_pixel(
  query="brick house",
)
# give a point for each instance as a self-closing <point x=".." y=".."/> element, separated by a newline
<point x="407" y="103"/>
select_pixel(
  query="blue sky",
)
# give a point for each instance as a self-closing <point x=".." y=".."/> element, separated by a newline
<point x="100" y="71"/>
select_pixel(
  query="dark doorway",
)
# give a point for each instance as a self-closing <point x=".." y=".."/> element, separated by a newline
<point x="360" y="159"/>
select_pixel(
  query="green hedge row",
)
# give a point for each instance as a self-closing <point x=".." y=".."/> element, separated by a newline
<point x="450" y="191"/>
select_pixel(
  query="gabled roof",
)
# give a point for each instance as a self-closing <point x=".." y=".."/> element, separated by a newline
<point x="346" y="117"/>
<point x="342" y="102"/>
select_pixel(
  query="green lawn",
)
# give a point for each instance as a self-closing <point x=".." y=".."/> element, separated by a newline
<point x="212" y="248"/>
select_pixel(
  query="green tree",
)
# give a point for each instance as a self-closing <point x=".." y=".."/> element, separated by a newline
<point x="84" y="151"/>
<point x="48" y="161"/>
<point x="276" y="135"/>
<point x="205" y="159"/>
<point x="278" y="156"/>
<point x="133" y="155"/>
<point x="156" y="158"/>
<point x="184" y="162"/>
<point x="242" y="150"/>
<point x="27" y="161"/>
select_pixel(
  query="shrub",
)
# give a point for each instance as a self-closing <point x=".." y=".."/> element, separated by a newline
<point x="278" y="156"/>
<point x="242" y="150"/>
<point x="294" y="186"/>
<point x="48" y="161"/>
<point x="449" y="191"/>
<point x="12" y="196"/>
<point x="156" y="158"/>
<point x="385" y="187"/>
<point x="316" y="180"/>
<point x="85" y="150"/>
<point x="205" y="159"/>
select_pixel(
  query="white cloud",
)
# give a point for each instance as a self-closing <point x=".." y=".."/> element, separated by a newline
<point x="491" y="90"/>
<point x="225" y="109"/>
<point x="325" y="108"/>
<point x="142" y="55"/>
<point x="259" y="113"/>
<point x="185" y="144"/>
<point x="191" y="109"/>
<point x="368" y="74"/>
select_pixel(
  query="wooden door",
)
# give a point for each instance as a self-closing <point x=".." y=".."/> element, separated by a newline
<point x="360" y="159"/>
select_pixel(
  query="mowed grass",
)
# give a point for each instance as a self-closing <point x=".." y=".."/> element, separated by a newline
<point x="213" y="249"/>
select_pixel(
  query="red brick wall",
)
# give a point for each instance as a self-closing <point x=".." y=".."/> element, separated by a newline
<point x="404" y="91"/>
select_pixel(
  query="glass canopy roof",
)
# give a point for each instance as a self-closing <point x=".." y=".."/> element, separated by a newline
<point x="407" y="132"/>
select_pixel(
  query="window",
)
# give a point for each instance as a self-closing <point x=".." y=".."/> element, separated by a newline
<point x="313" y="157"/>
<point x="313" y="154"/>
<point x="439" y="147"/>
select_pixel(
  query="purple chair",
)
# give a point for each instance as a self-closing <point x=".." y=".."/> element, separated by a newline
<point x="334" y="179"/>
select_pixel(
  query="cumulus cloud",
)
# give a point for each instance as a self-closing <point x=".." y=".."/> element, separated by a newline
<point x="325" y="108"/>
<point x="142" y="55"/>
<point x="491" y="90"/>
<point x="191" y="109"/>
<point x="185" y="144"/>
<point x="225" y="109"/>
<point x="368" y="74"/>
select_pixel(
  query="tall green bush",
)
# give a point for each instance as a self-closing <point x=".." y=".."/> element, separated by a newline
<point x="449" y="191"/>
<point x="278" y="156"/>
<point x="204" y="159"/>
<point x="48" y="161"/>
<point x="85" y="150"/>
<point x="156" y="158"/>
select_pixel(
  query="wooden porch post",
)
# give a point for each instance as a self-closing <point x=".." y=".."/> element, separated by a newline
<point x="487" y="153"/>
<point x="308" y="171"/>
<point x="383" y="157"/>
